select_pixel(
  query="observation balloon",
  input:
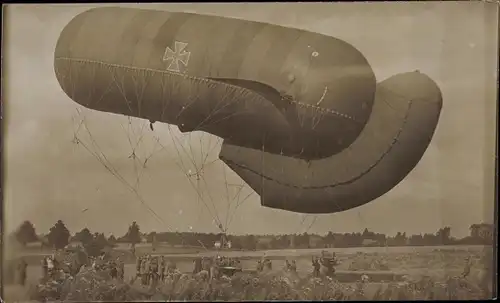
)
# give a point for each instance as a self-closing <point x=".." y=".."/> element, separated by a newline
<point x="304" y="122"/>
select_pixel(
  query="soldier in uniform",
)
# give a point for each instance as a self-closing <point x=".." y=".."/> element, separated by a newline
<point x="45" y="269"/>
<point x="23" y="266"/>
<point x="147" y="270"/>
<point x="328" y="263"/>
<point x="138" y="266"/>
<point x="293" y="267"/>
<point x="56" y="263"/>
<point x="162" y="268"/>
<point x="171" y="267"/>
<point x="197" y="265"/>
<point x="120" y="266"/>
<point x="50" y="267"/>
<point x="260" y="266"/>
<point x="268" y="264"/>
<point x="143" y="272"/>
<point x="153" y="271"/>
<point x="467" y="267"/>
<point x="316" y="266"/>
<point x="214" y="268"/>
<point x="206" y="264"/>
<point x="114" y="270"/>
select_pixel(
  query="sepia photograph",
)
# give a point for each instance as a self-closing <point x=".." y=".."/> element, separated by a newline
<point x="249" y="151"/>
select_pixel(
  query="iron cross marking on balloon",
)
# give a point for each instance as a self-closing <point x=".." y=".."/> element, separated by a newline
<point x="177" y="55"/>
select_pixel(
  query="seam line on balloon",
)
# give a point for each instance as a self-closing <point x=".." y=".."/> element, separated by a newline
<point x="300" y="104"/>
<point x="382" y="156"/>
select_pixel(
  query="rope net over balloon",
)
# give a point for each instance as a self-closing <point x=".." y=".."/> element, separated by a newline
<point x="217" y="190"/>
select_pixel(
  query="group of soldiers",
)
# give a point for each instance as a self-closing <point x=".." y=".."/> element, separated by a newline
<point x="323" y="265"/>
<point x="264" y="264"/>
<point x="326" y="262"/>
<point x="152" y="269"/>
<point x="216" y="267"/>
<point x="50" y="266"/>
<point x="116" y="267"/>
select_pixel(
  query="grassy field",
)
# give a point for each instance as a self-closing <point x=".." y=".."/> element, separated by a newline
<point x="416" y="262"/>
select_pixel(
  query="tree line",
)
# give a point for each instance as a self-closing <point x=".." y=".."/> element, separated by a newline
<point x="59" y="237"/>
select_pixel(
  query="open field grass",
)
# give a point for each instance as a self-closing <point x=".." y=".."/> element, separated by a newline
<point x="415" y="262"/>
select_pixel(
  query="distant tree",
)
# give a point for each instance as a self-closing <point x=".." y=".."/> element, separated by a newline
<point x="96" y="245"/>
<point x="417" y="240"/>
<point x="366" y="233"/>
<point x="111" y="239"/>
<point x="84" y="236"/>
<point x="134" y="233"/>
<point x="59" y="235"/>
<point x="26" y="233"/>
<point x="151" y="237"/>
<point x="444" y="235"/>
<point x="101" y="240"/>
<point x="330" y="238"/>
<point x="369" y="235"/>
<point x="249" y="242"/>
<point x="280" y="242"/>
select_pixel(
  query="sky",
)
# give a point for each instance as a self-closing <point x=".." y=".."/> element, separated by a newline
<point x="47" y="176"/>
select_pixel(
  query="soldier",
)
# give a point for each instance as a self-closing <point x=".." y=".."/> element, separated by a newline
<point x="287" y="265"/>
<point x="260" y="266"/>
<point x="329" y="264"/>
<point x="147" y="270"/>
<point x="45" y="269"/>
<point x="316" y="266"/>
<point x="143" y="272"/>
<point x="23" y="266"/>
<point x="162" y="268"/>
<point x="114" y="270"/>
<point x="171" y="267"/>
<point x="50" y="266"/>
<point x="138" y="267"/>
<point x="238" y="264"/>
<point x="153" y="271"/>
<point x="293" y="267"/>
<point x="467" y="267"/>
<point x="122" y="270"/>
<point x="214" y="268"/>
<point x="56" y="263"/>
<point x="206" y="264"/>
<point x="197" y="265"/>
<point x="268" y="264"/>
